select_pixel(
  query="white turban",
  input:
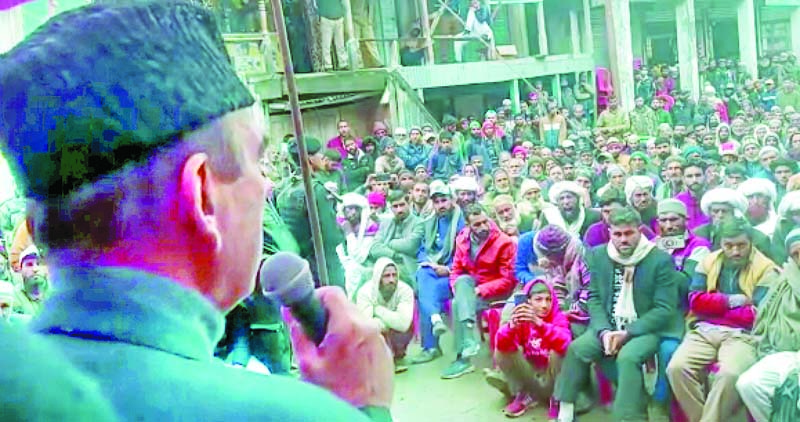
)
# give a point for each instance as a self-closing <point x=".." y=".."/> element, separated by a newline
<point x="635" y="183"/>
<point x="789" y="203"/>
<point x="352" y="199"/>
<point x="724" y="196"/>
<point x="566" y="186"/>
<point x="465" y="183"/>
<point x="759" y="186"/>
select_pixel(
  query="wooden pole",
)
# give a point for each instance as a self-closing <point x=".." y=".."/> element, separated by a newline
<point x="427" y="33"/>
<point x="297" y="120"/>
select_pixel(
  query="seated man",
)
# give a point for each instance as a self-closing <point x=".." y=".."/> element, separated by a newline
<point x="687" y="250"/>
<point x="433" y="276"/>
<point x="726" y="288"/>
<point x="483" y="271"/>
<point x="571" y="214"/>
<point x="558" y="257"/>
<point x="778" y="329"/>
<point x="506" y="215"/>
<point x="631" y="297"/>
<point x="390" y="302"/>
<point x="598" y="233"/>
<point x="723" y="203"/>
<point x="531" y="345"/>
<point x="398" y="238"/>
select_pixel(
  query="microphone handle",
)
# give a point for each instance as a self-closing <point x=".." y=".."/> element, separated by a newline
<point x="313" y="317"/>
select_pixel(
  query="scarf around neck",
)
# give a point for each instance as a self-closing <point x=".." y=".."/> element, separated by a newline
<point x="443" y="255"/>
<point x="624" y="308"/>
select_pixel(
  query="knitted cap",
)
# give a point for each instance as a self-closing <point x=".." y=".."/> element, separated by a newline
<point x="552" y="240"/>
<point x="105" y="85"/>
<point x="670" y="205"/>
<point x="792" y="238"/>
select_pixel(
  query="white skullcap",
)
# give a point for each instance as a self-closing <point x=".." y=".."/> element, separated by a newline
<point x="789" y="203"/>
<point x="724" y="196"/>
<point x="464" y="183"/>
<point x="31" y="250"/>
<point x="637" y="182"/>
<point x="527" y="185"/>
<point x="566" y="186"/>
<point x="760" y="186"/>
<point x="768" y="148"/>
<point x="352" y="199"/>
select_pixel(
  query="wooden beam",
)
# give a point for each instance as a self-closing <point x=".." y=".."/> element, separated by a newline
<point x="456" y="74"/>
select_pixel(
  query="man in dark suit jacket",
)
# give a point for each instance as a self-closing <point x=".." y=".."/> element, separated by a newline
<point x="632" y="296"/>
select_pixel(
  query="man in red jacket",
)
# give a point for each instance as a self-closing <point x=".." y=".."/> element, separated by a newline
<point x="483" y="272"/>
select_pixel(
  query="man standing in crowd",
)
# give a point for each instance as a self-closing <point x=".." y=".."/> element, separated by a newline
<point x="433" y="276"/>
<point x="345" y="133"/>
<point x="160" y="233"/>
<point x="398" y="238"/>
<point x="613" y="121"/>
<point x="631" y="298"/>
<point x="673" y="184"/>
<point x="356" y="165"/>
<point x="389" y="302"/>
<point x="726" y="288"/>
<point x="483" y="271"/>
<point x="292" y="206"/>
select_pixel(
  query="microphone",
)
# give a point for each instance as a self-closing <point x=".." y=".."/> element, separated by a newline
<point x="287" y="277"/>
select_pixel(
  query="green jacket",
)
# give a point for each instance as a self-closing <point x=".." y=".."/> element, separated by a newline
<point x="291" y="204"/>
<point x="760" y="241"/>
<point x="654" y="292"/>
<point x="400" y="242"/>
<point x="148" y="343"/>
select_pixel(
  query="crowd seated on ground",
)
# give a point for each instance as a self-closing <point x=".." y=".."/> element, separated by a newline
<point x="654" y="252"/>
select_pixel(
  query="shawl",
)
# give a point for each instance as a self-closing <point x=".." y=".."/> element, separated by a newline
<point x="748" y="278"/>
<point x="444" y="254"/>
<point x="624" y="308"/>
<point x="777" y="327"/>
<point x="553" y="216"/>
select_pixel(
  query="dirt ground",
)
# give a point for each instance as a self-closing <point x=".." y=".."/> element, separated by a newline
<point x="422" y="396"/>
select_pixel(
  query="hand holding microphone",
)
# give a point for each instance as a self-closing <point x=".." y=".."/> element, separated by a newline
<point x="337" y="347"/>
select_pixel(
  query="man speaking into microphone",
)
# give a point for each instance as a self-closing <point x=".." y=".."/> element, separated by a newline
<point x="139" y="147"/>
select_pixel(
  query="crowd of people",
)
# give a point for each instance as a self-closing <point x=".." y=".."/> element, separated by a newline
<point x="662" y="239"/>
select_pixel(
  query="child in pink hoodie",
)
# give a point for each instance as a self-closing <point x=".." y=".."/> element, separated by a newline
<point x="531" y="345"/>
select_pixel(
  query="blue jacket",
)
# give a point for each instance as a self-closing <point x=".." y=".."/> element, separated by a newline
<point x="414" y="155"/>
<point x="526" y="256"/>
<point x="148" y="344"/>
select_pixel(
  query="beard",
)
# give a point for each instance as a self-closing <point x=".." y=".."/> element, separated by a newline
<point x="757" y="214"/>
<point x="35" y="285"/>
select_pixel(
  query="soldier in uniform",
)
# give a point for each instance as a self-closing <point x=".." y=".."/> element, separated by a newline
<point x="161" y="235"/>
<point x="291" y="203"/>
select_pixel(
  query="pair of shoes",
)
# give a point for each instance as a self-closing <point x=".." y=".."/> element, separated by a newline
<point x="518" y="406"/>
<point x="439" y="328"/>
<point x="497" y="380"/>
<point x="471" y="348"/>
<point x="400" y="365"/>
<point x="426" y="355"/>
<point x="458" y="368"/>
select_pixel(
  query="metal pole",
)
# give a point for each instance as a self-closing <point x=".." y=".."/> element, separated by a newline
<point x="294" y="103"/>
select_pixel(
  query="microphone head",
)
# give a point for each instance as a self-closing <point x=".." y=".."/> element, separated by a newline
<point x="287" y="277"/>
